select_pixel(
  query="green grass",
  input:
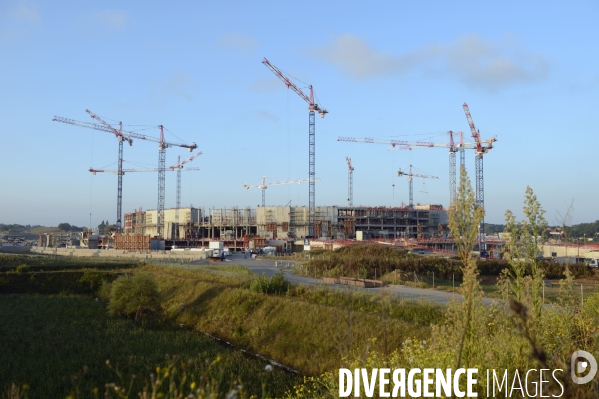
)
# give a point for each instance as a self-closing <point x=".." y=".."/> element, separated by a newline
<point x="48" y="339"/>
<point x="49" y="262"/>
<point x="323" y="323"/>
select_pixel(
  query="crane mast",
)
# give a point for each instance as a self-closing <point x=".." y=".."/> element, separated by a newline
<point x="179" y="167"/>
<point x="161" y="183"/>
<point x="452" y="173"/>
<point x="478" y="164"/>
<point x="350" y="182"/>
<point x="312" y="106"/>
<point x="119" y="135"/>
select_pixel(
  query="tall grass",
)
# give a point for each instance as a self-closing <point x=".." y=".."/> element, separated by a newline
<point x="60" y="344"/>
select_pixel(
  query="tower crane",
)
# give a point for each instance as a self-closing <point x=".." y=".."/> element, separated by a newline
<point x="169" y="169"/>
<point x="121" y="138"/>
<point x="312" y="106"/>
<point x="178" y="167"/>
<point x="350" y="182"/>
<point x="410" y="176"/>
<point x="129" y="136"/>
<point x="408" y="145"/>
<point x="478" y="164"/>
<point x="265" y="185"/>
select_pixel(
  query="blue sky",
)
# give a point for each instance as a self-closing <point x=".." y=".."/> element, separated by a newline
<point x="387" y="69"/>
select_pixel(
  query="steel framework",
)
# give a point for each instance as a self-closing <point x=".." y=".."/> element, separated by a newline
<point x="312" y="140"/>
<point x="350" y="182"/>
<point x="478" y="164"/>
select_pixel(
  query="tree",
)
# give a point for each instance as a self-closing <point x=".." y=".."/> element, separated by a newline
<point x="134" y="296"/>
<point x="64" y="226"/>
<point x="464" y="218"/>
<point x="522" y="252"/>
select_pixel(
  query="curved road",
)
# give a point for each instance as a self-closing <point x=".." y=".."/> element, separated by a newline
<point x="267" y="266"/>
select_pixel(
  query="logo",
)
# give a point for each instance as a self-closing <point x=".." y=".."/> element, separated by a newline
<point x="579" y="366"/>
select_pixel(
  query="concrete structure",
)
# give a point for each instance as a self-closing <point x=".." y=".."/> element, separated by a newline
<point x="421" y="221"/>
<point x="287" y="222"/>
<point x="197" y="227"/>
<point x="194" y="223"/>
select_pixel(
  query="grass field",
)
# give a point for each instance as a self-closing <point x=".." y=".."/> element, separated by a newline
<point x="48" y="339"/>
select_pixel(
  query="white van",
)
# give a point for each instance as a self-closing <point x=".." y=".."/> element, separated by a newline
<point x="592" y="262"/>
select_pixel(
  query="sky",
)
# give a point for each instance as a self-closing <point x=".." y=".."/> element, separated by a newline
<point x="391" y="70"/>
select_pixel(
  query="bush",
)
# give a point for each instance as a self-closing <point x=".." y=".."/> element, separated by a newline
<point x="276" y="284"/>
<point x="133" y="296"/>
<point x="91" y="277"/>
<point x="22" y="268"/>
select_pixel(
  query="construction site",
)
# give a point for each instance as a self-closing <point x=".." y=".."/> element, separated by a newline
<point x="288" y="228"/>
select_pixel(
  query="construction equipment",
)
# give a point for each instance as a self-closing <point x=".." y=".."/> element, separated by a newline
<point x="129" y="136"/>
<point x="411" y="175"/>
<point x="265" y="185"/>
<point x="178" y="167"/>
<point x="408" y="145"/>
<point x="478" y="165"/>
<point x="121" y="138"/>
<point x="312" y="140"/>
<point x="350" y="182"/>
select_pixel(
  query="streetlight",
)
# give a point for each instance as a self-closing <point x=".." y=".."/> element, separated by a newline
<point x="578" y="246"/>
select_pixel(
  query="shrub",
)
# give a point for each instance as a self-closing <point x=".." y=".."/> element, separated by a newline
<point x="22" y="268"/>
<point x="133" y="296"/>
<point x="276" y="284"/>
<point x="91" y="277"/>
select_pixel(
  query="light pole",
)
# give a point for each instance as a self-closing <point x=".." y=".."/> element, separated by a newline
<point x="578" y="247"/>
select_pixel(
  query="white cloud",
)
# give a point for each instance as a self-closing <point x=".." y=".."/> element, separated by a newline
<point x="112" y="18"/>
<point x="238" y="42"/>
<point x="22" y="20"/>
<point x="492" y="65"/>
<point x="473" y="61"/>
<point x="356" y="58"/>
<point x="26" y="13"/>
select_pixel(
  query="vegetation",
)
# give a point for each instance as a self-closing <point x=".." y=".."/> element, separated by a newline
<point x="325" y="323"/>
<point x="33" y="327"/>
<point x="56" y="263"/>
<point x="134" y="295"/>
<point x="526" y="336"/>
<point x="276" y="284"/>
<point x="69" y="227"/>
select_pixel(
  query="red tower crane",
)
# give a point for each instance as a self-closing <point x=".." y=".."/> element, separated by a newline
<point x="129" y="136"/>
<point x="408" y="145"/>
<point x="312" y="106"/>
<point x="478" y="164"/>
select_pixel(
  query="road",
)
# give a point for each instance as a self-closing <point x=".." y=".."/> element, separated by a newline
<point x="267" y="267"/>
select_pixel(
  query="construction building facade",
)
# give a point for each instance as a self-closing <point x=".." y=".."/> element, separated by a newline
<point x="419" y="221"/>
<point x="290" y="223"/>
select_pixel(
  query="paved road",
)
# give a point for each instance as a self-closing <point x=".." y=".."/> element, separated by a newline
<point x="267" y="266"/>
